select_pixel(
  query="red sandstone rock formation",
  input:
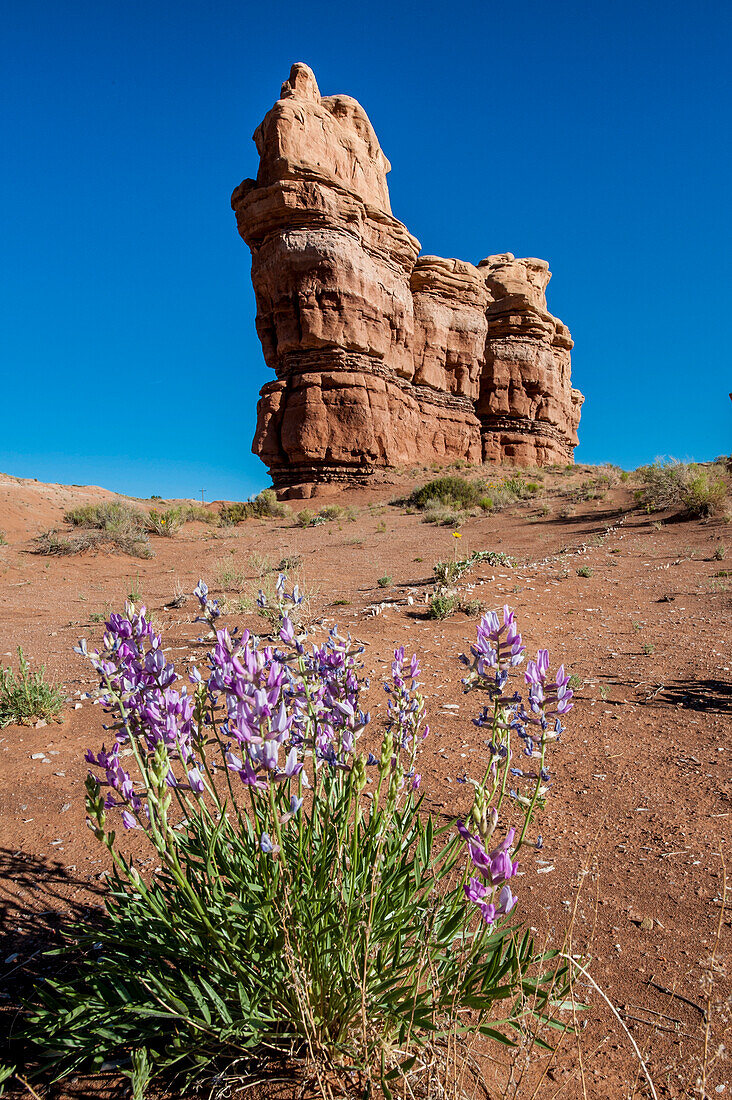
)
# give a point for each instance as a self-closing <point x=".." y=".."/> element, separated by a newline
<point x="383" y="357"/>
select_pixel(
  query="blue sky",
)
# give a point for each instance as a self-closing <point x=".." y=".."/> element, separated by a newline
<point x="593" y="135"/>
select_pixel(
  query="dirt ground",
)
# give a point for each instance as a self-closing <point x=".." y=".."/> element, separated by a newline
<point x="637" y="826"/>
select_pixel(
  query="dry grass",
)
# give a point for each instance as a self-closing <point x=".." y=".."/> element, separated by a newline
<point x="52" y="544"/>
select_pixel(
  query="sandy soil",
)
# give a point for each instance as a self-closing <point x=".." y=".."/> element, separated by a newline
<point x="638" y="821"/>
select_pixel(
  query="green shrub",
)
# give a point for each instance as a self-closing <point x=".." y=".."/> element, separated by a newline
<point x="584" y="571"/>
<point x="320" y="931"/>
<point x="305" y="518"/>
<point x="264" y="505"/>
<point x="442" y="605"/>
<point x="232" y="514"/>
<point x="164" y="523"/>
<point x="25" y="697"/>
<point x="116" y="516"/>
<point x="719" y="552"/>
<point x="198" y="513"/>
<point x="686" y="487"/>
<point x="384" y="582"/>
<point x="267" y="504"/>
<point x="454" y="493"/>
<point x="704" y="495"/>
<point x="330" y="512"/>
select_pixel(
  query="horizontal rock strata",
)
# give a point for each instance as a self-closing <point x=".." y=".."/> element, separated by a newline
<point x="384" y="357"/>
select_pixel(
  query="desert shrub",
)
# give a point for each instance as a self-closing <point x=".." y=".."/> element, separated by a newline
<point x="231" y="514"/>
<point x="198" y="513"/>
<point x="687" y="487"/>
<point x="330" y="512"/>
<point x="164" y="523"/>
<point x="584" y="571"/>
<point x="521" y="489"/>
<point x="26" y="697"/>
<point x="719" y="552"/>
<point x="3" y="539"/>
<point x="384" y="582"/>
<point x="454" y="493"/>
<point x="704" y="494"/>
<point x="441" y="605"/>
<point x="52" y="544"/>
<point x="116" y="516"/>
<point x="292" y="921"/>
<point x="265" y="504"/>
<point x="305" y="517"/>
<point x="442" y="515"/>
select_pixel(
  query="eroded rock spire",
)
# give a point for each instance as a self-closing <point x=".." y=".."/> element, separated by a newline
<point x="383" y="357"/>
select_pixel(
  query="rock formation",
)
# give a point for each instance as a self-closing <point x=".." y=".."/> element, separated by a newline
<point x="383" y="357"/>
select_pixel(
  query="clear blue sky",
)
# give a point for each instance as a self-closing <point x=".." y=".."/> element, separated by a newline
<point x="594" y="135"/>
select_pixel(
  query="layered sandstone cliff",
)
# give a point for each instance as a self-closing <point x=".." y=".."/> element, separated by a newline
<point x="383" y="357"/>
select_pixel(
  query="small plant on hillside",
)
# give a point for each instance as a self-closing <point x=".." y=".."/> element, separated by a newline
<point x="307" y="518"/>
<point x="443" y="517"/>
<point x="575" y="682"/>
<point x="198" y="513"/>
<point x="26" y="697"/>
<point x="441" y="606"/>
<point x="384" y="582"/>
<point x="164" y="523"/>
<point x="135" y="592"/>
<point x="455" y="493"/>
<point x="115" y="516"/>
<point x="584" y="571"/>
<point x="51" y="544"/>
<point x="331" y="512"/>
<point x="694" y="490"/>
<point x="292" y="923"/>
<point x="719" y="552"/>
<point x="262" y="506"/>
<point x="3" y="539"/>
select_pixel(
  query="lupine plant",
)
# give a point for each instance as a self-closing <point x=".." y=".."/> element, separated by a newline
<point x="305" y="912"/>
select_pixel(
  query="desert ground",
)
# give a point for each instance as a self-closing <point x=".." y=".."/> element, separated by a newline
<point x="637" y="606"/>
